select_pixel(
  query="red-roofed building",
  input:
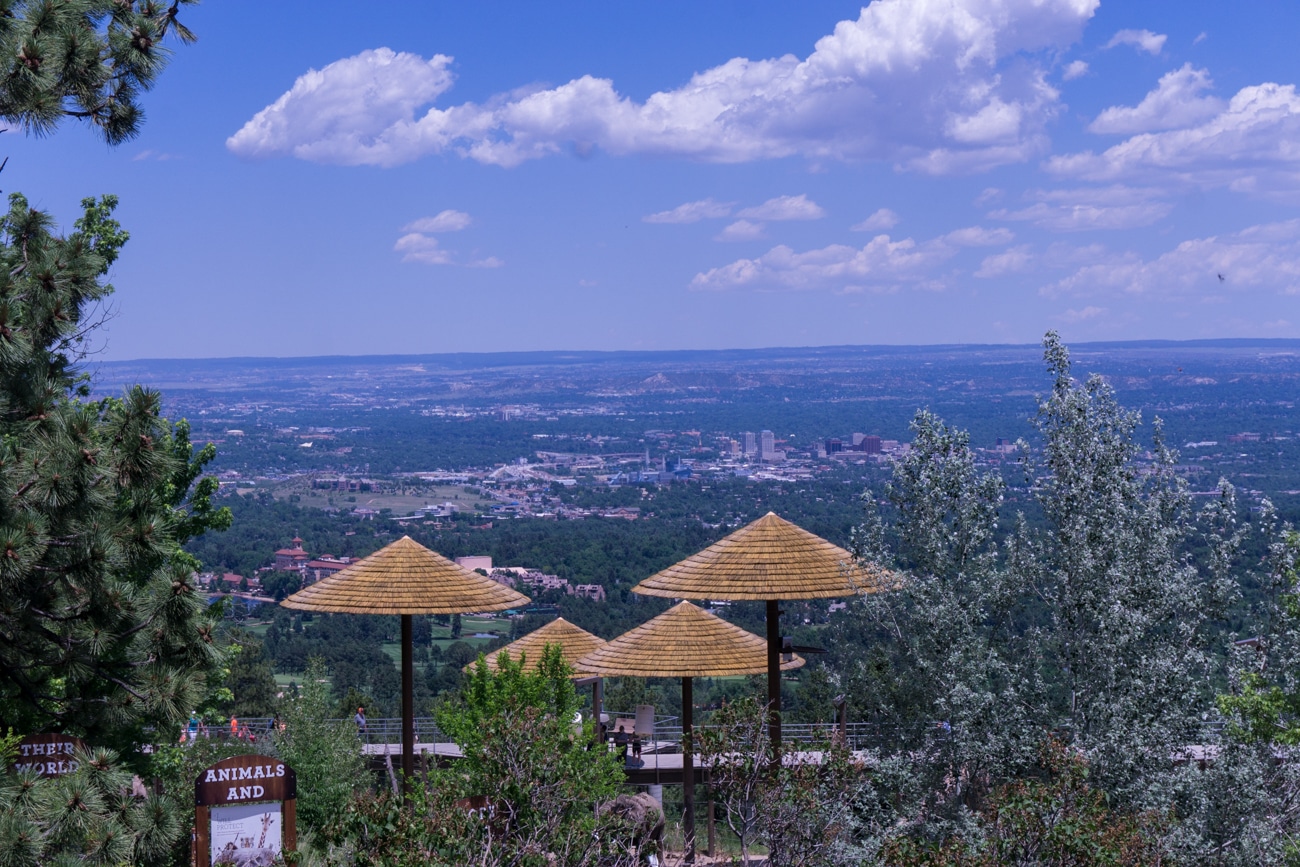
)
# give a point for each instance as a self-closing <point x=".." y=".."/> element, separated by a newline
<point x="292" y="559"/>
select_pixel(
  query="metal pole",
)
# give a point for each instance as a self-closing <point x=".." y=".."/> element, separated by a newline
<point x="408" y="709"/>
<point x="774" y="674"/>
<point x="688" y="768"/>
<point x="597" y="700"/>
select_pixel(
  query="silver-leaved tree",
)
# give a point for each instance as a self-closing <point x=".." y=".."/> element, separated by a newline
<point x="1079" y="616"/>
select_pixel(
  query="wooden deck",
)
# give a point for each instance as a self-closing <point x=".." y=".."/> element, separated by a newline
<point x="654" y="768"/>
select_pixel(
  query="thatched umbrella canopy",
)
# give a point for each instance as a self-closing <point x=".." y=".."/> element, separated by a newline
<point x="687" y="642"/>
<point x="770" y="559"/>
<point x="574" y="643"/>
<point x="405" y="578"/>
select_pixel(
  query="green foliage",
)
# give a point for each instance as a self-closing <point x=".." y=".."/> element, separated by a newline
<point x="325" y="755"/>
<point x="1264" y="706"/>
<point x="104" y="629"/>
<point x="1056" y="819"/>
<point x="803" y="812"/>
<point x="1089" y="617"/>
<point x="535" y="766"/>
<point x="249" y="680"/>
<point x="85" y="59"/>
<point x="89" y="816"/>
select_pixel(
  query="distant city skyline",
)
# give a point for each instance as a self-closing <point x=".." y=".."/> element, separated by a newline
<point x="660" y="176"/>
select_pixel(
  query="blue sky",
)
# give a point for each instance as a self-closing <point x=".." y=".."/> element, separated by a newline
<point x="343" y="178"/>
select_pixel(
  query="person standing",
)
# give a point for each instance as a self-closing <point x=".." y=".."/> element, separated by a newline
<point x="360" y="720"/>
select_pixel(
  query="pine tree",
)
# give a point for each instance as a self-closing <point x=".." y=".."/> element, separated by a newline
<point x="104" y="629"/>
<point x="84" y="59"/>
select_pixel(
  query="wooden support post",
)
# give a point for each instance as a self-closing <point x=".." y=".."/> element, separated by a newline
<point x="688" y="768"/>
<point x="713" y="830"/>
<point x="774" y="675"/>
<point x="408" y="708"/>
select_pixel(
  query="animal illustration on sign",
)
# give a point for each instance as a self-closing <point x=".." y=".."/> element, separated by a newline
<point x="246" y="835"/>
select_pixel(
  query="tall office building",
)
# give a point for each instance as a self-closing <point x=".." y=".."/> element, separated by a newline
<point x="751" y="444"/>
<point x="767" y="447"/>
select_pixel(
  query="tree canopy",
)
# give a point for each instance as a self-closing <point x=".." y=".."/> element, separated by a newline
<point x="85" y="59"/>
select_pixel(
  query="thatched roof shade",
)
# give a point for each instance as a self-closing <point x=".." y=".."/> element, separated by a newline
<point x="574" y="642"/>
<point x="684" y="641"/>
<point x="770" y="558"/>
<point x="405" y="578"/>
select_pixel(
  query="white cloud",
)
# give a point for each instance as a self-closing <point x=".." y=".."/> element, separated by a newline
<point x="1075" y="210"/>
<point x="349" y="111"/>
<point x="741" y="230"/>
<point x="692" y="212"/>
<point x="1248" y="147"/>
<point x="1264" y="257"/>
<point x="798" y="207"/>
<point x="1011" y="261"/>
<point x="988" y="196"/>
<point x="1089" y="312"/>
<point x="443" y="221"/>
<point x="417" y="244"/>
<point x="881" y="265"/>
<point x="1075" y="69"/>
<point x="938" y="87"/>
<point x="882" y="219"/>
<point x="978" y="236"/>
<point x="1143" y="40"/>
<point x="415" y="247"/>
<point x="1176" y="102"/>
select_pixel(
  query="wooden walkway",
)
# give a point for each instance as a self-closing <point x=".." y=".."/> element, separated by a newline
<point x="653" y="768"/>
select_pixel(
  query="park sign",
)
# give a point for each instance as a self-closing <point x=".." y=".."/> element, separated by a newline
<point x="245" y="811"/>
<point x="48" y="755"/>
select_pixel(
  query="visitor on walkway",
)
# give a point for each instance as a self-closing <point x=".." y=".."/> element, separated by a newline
<point x="636" y="745"/>
<point x="620" y="744"/>
<point x="360" y="719"/>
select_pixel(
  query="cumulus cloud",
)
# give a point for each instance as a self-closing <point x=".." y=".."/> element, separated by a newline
<point x="1143" y="40"/>
<point x="883" y="219"/>
<point x="1083" y="315"/>
<point x="349" y="111"/>
<point x="1249" y="146"/>
<point x="1076" y="210"/>
<point x="1011" y="261"/>
<point x="798" y="207"/>
<point x="741" y="230"/>
<point x="417" y="243"/>
<point x="415" y="247"/>
<point x="1264" y="257"/>
<point x="882" y="265"/>
<point x="978" y="236"/>
<point x="1176" y="102"/>
<point x="443" y="221"/>
<point x="692" y="212"/>
<point x="937" y="87"/>
<point x="1075" y="69"/>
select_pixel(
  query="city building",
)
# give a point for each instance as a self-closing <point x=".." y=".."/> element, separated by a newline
<point x="292" y="559"/>
<point x="750" y="443"/>
<point x="767" y="450"/>
<point x="472" y="563"/>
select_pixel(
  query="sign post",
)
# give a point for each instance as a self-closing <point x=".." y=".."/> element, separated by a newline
<point x="245" y="812"/>
<point x="49" y="755"/>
